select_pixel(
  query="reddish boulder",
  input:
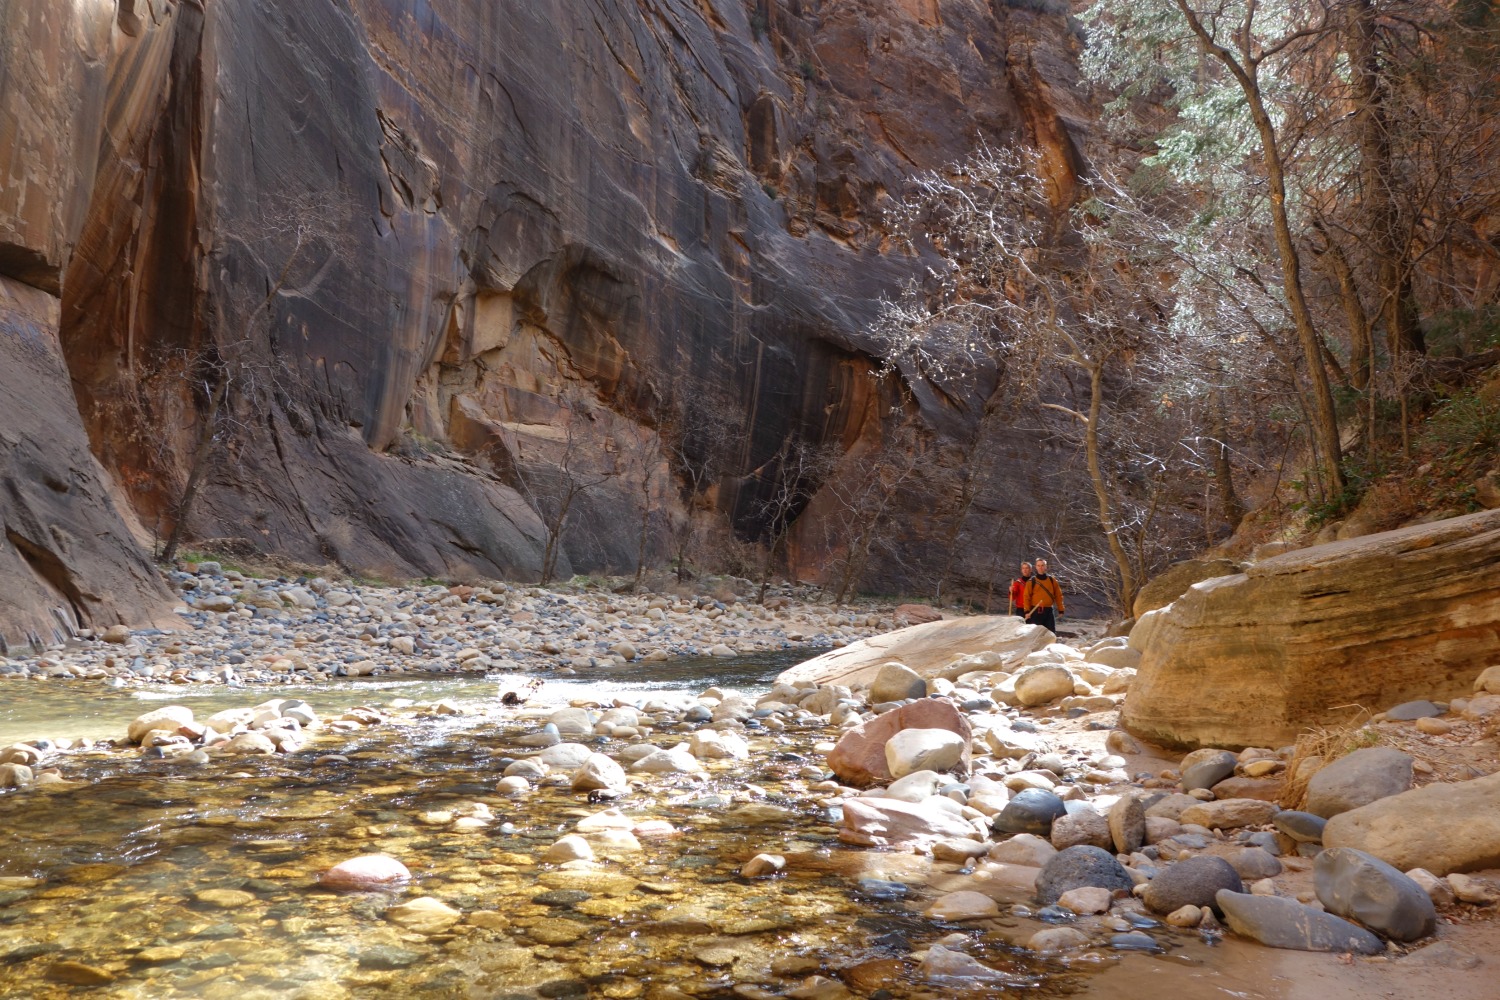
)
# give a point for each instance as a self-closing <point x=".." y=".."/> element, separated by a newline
<point x="859" y="757"/>
<point x="916" y="614"/>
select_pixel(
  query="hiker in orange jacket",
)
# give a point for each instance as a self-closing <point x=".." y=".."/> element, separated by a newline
<point x="1044" y="598"/>
<point x="1018" y="591"/>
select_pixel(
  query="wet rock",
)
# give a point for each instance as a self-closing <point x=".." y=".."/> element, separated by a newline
<point x="1190" y="882"/>
<point x="1285" y="923"/>
<point x="1077" y="867"/>
<point x="677" y="760"/>
<point x="599" y="772"/>
<point x="565" y="756"/>
<point x="880" y="822"/>
<point x="248" y="744"/>
<point x="16" y="776"/>
<point x="224" y="899"/>
<point x="369" y="871"/>
<point x="168" y="718"/>
<point x="763" y="864"/>
<point x="387" y="957"/>
<point x="913" y="750"/>
<point x="1354" y="884"/>
<point x="159" y="955"/>
<point x="1358" y="779"/>
<point x="1085" y="901"/>
<point x="947" y="963"/>
<point x="569" y="848"/>
<point x="79" y="974"/>
<point x="713" y="744"/>
<point x="424" y="915"/>
<point x="859" y="757"/>
<point x="1030" y="811"/>
<point x="964" y="905"/>
<point x="1051" y="940"/>
<point x="1185" y="916"/>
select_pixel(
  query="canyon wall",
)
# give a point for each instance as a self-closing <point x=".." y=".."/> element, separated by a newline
<point x="459" y="254"/>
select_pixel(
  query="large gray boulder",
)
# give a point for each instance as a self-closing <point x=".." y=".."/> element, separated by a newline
<point x="1443" y="827"/>
<point x="1354" y="884"/>
<point x="1285" y="923"/>
<point x="1077" y="867"/>
<point x="1358" y="779"/>
<point x="1190" y="882"/>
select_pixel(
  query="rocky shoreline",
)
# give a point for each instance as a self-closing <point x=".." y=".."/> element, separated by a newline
<point x="244" y="630"/>
<point x="1026" y="818"/>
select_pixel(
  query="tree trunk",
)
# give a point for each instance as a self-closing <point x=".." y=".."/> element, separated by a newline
<point x="1325" y="416"/>
<point x="201" y="454"/>
<point x="1398" y="309"/>
<point x="1101" y="488"/>
<point x="1234" y="510"/>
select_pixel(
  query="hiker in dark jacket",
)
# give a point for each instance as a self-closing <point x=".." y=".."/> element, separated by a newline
<point x="1018" y="591"/>
<point x="1044" y="598"/>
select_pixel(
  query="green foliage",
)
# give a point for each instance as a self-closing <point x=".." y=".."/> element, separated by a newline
<point x="807" y="69"/>
<point x="1465" y="424"/>
<point x="1359" y="476"/>
<point x="193" y="558"/>
<point x="1463" y="331"/>
<point x="770" y="190"/>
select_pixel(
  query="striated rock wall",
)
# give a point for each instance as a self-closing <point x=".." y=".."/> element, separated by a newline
<point x="471" y="249"/>
<point x="1311" y="637"/>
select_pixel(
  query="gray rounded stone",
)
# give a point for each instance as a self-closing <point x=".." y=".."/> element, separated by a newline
<point x="1303" y="827"/>
<point x="1357" y="780"/>
<point x="1081" y="826"/>
<point x="1285" y="923"/>
<point x="1030" y="811"/>
<point x="1410" y="710"/>
<point x="1354" y="884"/>
<point x="1206" y="768"/>
<point x="1077" y="867"/>
<point x="1191" y="882"/>
<point x="1254" y="864"/>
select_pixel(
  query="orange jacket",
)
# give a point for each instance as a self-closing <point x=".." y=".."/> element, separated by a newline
<point x="1018" y="594"/>
<point x="1044" y="592"/>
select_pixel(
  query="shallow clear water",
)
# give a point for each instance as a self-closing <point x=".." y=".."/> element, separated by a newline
<point x="74" y="709"/>
<point x="108" y="872"/>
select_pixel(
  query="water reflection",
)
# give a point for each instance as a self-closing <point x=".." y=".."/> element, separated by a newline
<point x="162" y="879"/>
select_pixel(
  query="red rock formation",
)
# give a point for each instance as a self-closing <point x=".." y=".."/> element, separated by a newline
<point x="480" y="220"/>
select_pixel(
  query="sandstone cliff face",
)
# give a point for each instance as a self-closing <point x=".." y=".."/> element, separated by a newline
<point x="478" y="245"/>
<point x="1311" y="637"/>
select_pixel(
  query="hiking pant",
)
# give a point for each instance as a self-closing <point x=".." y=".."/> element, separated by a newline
<point x="1044" y="616"/>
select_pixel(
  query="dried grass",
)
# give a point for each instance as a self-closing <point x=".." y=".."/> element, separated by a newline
<point x="1457" y="756"/>
<point x="1316" y="749"/>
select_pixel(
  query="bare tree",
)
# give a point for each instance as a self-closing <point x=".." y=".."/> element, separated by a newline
<point x="555" y="479"/>
<point x="241" y="368"/>
<point x="793" y="473"/>
<point x="863" y="491"/>
<point x="703" y="434"/>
